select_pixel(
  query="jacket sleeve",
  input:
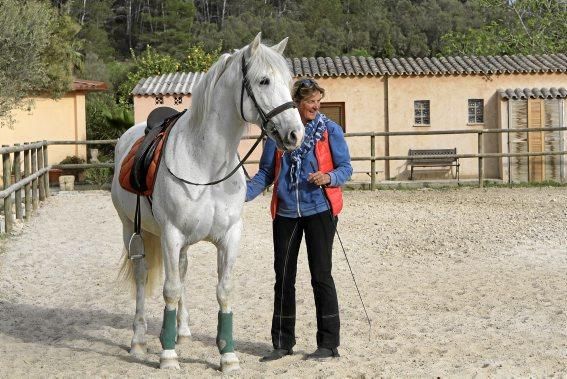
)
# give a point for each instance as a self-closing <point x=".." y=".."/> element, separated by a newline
<point x="341" y="155"/>
<point x="265" y="175"/>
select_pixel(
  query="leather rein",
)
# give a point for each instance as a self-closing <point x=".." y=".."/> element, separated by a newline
<point x="267" y="125"/>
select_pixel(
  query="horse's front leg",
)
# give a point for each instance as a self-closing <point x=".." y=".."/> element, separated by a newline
<point x="183" y="331"/>
<point x="226" y="258"/>
<point x="172" y="242"/>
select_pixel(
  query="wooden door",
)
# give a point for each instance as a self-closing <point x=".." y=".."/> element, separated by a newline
<point x="335" y="111"/>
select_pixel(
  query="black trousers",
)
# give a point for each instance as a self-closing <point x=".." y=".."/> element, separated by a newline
<point x="319" y="232"/>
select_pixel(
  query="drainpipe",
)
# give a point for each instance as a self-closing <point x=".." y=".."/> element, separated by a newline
<point x="386" y="129"/>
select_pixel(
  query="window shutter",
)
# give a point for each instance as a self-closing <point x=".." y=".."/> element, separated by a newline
<point x="552" y="140"/>
<point x="518" y="140"/>
<point x="535" y="140"/>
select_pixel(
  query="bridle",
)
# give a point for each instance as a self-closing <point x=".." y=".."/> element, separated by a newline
<point x="267" y="126"/>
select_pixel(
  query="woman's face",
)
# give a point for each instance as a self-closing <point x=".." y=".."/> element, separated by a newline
<point x="309" y="107"/>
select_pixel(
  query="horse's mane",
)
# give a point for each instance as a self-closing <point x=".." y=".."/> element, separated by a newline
<point x="228" y="66"/>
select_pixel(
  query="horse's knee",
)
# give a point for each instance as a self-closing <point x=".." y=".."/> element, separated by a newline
<point x="224" y="289"/>
<point x="171" y="292"/>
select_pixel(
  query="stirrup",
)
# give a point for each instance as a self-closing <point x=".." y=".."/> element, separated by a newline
<point x="136" y="247"/>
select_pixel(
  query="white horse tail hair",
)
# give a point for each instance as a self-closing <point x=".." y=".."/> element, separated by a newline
<point x="154" y="266"/>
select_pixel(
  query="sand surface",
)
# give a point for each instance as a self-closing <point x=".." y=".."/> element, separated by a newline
<point x="460" y="282"/>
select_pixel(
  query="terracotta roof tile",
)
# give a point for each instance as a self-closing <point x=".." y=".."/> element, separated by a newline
<point x="183" y="83"/>
<point x="533" y="93"/>
<point x="88" y="85"/>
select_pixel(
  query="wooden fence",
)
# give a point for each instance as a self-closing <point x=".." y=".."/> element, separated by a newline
<point x="34" y="181"/>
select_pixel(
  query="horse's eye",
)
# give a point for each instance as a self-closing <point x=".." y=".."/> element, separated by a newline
<point x="264" y="81"/>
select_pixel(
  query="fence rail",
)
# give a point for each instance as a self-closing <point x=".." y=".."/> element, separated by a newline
<point x="35" y="180"/>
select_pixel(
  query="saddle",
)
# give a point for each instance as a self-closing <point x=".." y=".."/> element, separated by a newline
<point x="139" y="168"/>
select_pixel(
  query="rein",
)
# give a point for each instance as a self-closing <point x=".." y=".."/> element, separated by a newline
<point x="267" y="126"/>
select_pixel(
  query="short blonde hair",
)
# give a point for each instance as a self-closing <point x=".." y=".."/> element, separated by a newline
<point x="305" y="87"/>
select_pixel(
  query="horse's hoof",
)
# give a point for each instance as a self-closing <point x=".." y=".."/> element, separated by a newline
<point x="229" y="363"/>
<point x="138" y="349"/>
<point x="183" y="339"/>
<point x="168" y="360"/>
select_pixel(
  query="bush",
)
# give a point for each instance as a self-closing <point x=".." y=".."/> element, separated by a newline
<point x="72" y="159"/>
<point x="78" y="173"/>
<point x="100" y="176"/>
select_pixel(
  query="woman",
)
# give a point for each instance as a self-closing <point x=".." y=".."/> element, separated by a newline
<point x="306" y="200"/>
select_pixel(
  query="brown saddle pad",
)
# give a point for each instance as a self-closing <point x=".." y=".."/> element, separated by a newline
<point x="130" y="160"/>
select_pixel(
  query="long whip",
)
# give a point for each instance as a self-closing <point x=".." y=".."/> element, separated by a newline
<point x="346" y="257"/>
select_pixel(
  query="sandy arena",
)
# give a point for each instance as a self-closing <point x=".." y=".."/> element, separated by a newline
<point x="460" y="282"/>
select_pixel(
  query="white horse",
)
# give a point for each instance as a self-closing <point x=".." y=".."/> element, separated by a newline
<point x="252" y="84"/>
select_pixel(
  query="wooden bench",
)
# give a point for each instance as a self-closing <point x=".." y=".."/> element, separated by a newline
<point x="423" y="158"/>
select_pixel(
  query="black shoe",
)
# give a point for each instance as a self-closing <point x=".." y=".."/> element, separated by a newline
<point x="323" y="354"/>
<point x="276" y="354"/>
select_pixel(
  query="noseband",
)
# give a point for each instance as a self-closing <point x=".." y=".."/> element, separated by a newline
<point x="267" y="126"/>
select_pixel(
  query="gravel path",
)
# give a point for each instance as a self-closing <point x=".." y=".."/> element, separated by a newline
<point x="458" y="282"/>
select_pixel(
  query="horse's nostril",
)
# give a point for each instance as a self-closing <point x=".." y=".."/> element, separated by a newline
<point x="292" y="137"/>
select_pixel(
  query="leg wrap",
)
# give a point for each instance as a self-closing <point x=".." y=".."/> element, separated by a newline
<point x="224" y="333"/>
<point x="168" y="329"/>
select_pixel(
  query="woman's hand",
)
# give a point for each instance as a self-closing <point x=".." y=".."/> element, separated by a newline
<point x="319" y="179"/>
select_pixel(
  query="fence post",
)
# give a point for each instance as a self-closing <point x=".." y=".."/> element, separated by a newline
<point x="35" y="195"/>
<point x="27" y="193"/>
<point x="17" y="178"/>
<point x="480" y="160"/>
<point x="8" y="217"/>
<point x="372" y="162"/>
<point x="46" y="163"/>
<point x="40" y="166"/>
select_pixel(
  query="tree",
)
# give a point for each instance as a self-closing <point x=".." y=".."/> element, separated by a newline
<point x="28" y="49"/>
<point x="172" y="23"/>
<point x="61" y="55"/>
<point x="200" y="60"/>
<point x="528" y="27"/>
<point x="92" y="16"/>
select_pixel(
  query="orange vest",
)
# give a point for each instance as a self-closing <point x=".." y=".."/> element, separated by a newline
<point x="325" y="163"/>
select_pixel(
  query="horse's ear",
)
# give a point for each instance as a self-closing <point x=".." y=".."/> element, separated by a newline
<point x="280" y="47"/>
<point x="256" y="43"/>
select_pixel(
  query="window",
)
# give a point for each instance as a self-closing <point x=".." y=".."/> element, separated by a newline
<point x="476" y="111"/>
<point x="421" y="112"/>
<point x="335" y="111"/>
<point x="177" y="100"/>
<point x="159" y="100"/>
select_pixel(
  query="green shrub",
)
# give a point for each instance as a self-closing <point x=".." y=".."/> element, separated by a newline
<point x="100" y="176"/>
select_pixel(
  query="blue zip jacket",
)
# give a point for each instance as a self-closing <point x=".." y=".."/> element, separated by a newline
<point x="306" y="199"/>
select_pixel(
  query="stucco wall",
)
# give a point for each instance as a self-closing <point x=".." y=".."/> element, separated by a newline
<point x="448" y="97"/>
<point x="143" y="105"/>
<point x="364" y="112"/>
<point x="49" y="119"/>
<point x="387" y="104"/>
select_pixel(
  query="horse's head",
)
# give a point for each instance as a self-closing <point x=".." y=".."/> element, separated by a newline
<point x="265" y="97"/>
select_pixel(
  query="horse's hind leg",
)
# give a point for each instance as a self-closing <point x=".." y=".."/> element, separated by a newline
<point x="138" y="344"/>
<point x="226" y="258"/>
<point x="183" y="331"/>
<point x="136" y="270"/>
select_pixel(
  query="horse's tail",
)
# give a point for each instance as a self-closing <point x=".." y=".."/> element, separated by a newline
<point x="154" y="265"/>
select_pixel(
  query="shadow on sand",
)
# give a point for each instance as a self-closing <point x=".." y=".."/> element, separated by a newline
<point x="61" y="328"/>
